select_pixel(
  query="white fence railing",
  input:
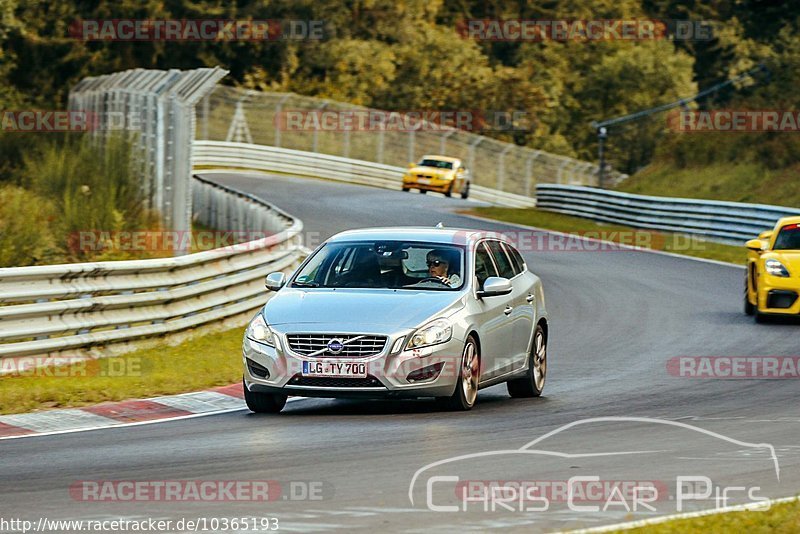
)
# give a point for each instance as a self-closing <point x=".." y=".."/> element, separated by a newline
<point x="730" y="222"/>
<point x="57" y="308"/>
<point x="221" y="154"/>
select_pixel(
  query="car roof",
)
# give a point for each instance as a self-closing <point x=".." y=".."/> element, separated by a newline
<point x="783" y="221"/>
<point x="451" y="236"/>
<point x="441" y="158"/>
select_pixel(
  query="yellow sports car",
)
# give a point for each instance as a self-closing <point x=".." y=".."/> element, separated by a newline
<point x="438" y="173"/>
<point x="772" y="284"/>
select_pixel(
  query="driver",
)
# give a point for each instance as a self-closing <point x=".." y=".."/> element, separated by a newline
<point x="439" y="263"/>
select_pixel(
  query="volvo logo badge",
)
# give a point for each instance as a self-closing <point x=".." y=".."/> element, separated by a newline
<point x="335" y="346"/>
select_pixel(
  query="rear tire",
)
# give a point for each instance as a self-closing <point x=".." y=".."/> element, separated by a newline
<point x="263" y="402"/>
<point x="422" y="191"/>
<point x="406" y="190"/>
<point x="465" y="191"/>
<point x="532" y="384"/>
<point x="463" y="398"/>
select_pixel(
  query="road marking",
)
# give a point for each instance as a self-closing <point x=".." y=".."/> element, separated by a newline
<point x="18" y="426"/>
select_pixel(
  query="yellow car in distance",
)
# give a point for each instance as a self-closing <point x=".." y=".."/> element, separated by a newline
<point x="772" y="284"/>
<point x="438" y="173"/>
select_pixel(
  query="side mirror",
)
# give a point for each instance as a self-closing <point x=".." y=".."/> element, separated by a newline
<point x="495" y="286"/>
<point x="766" y="234"/>
<point x="412" y="165"/>
<point x="275" y="281"/>
<point x="755" y="244"/>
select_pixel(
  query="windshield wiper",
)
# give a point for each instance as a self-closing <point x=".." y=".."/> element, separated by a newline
<point x="305" y="284"/>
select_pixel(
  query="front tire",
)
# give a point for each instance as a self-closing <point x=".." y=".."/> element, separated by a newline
<point x="263" y="402"/>
<point x="465" y="191"/>
<point x="449" y="192"/>
<point x="749" y="309"/>
<point x="463" y="398"/>
<point x="532" y="384"/>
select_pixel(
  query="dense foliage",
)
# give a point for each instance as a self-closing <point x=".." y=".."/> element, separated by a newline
<point x="408" y="55"/>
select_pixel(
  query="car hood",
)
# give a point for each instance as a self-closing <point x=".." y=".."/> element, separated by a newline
<point x="356" y="310"/>
<point x="431" y="171"/>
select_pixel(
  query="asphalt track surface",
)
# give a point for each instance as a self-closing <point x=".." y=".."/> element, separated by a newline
<point x="617" y="317"/>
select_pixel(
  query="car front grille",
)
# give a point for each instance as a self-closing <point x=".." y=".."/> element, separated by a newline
<point x="362" y="347"/>
<point x="335" y="382"/>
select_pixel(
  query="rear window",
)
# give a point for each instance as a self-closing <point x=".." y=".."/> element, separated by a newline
<point x="516" y="258"/>
<point x="501" y="259"/>
<point x="788" y="238"/>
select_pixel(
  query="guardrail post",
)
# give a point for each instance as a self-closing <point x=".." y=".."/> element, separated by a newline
<point x="529" y="172"/>
<point x="560" y="172"/>
<point x="501" y="168"/>
<point x="278" y="120"/>
<point x="472" y="146"/>
<point x="379" y="156"/>
<point x="315" y="142"/>
<point x="443" y="142"/>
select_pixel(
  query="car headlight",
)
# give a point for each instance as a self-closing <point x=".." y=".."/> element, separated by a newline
<point x="433" y="333"/>
<point x="776" y="268"/>
<point x="258" y="330"/>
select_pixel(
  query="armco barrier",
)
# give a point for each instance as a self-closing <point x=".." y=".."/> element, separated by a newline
<point x="56" y="308"/>
<point x="221" y="154"/>
<point x="729" y="222"/>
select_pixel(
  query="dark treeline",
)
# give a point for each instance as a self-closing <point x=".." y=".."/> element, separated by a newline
<point x="409" y="54"/>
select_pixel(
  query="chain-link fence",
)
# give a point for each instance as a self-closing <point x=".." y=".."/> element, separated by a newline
<point x="229" y="114"/>
<point x="157" y="109"/>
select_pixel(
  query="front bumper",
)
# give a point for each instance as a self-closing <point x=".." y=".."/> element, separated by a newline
<point x="439" y="185"/>
<point x="779" y="295"/>
<point x="279" y="370"/>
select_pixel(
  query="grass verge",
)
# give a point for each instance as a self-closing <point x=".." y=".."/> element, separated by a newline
<point x="741" y="182"/>
<point x="779" y="519"/>
<point x="199" y="363"/>
<point x="677" y="243"/>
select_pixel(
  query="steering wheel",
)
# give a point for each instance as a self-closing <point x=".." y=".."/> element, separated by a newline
<point x="433" y="279"/>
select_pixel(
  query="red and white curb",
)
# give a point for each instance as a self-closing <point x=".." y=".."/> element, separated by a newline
<point x="126" y="413"/>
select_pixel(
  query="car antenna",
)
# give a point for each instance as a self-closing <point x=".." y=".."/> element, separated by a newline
<point x="440" y="224"/>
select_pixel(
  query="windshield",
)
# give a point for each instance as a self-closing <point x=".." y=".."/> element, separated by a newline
<point x="385" y="265"/>
<point x="788" y="238"/>
<point x="435" y="163"/>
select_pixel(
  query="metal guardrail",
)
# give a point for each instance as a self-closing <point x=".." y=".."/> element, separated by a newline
<point x="253" y="117"/>
<point x="221" y="154"/>
<point x="727" y="222"/>
<point x="55" y="308"/>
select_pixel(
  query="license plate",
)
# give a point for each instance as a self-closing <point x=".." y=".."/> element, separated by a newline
<point x="423" y="181"/>
<point x="338" y="369"/>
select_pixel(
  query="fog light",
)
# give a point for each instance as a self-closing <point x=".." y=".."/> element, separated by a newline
<point x="430" y="372"/>
<point x="257" y="369"/>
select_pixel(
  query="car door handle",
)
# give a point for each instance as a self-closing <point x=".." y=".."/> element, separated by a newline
<point x="530" y="298"/>
<point x="508" y="310"/>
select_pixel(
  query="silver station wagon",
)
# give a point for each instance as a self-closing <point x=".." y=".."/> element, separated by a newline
<point x="400" y="312"/>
